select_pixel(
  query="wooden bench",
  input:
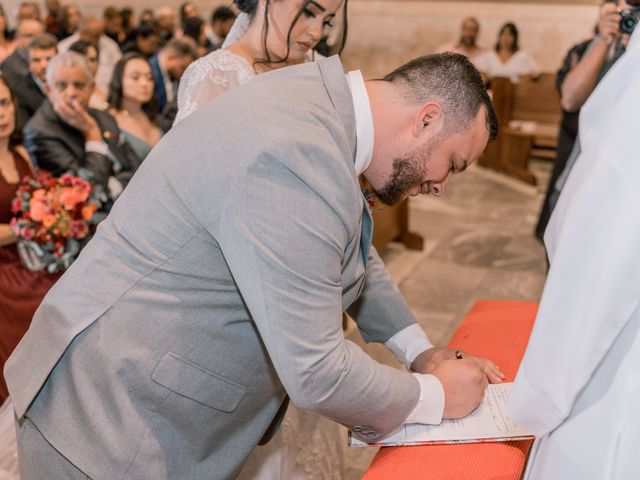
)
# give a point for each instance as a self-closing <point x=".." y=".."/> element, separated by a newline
<point x="529" y="114"/>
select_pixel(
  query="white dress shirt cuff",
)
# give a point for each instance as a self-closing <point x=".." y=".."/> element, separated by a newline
<point x="430" y="406"/>
<point x="408" y="343"/>
<point x="97" y="147"/>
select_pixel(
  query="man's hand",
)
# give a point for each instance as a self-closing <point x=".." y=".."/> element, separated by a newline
<point x="464" y="385"/>
<point x="428" y="360"/>
<point x="74" y="114"/>
<point x="609" y="23"/>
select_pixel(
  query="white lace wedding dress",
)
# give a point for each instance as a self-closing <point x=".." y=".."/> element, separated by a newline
<point x="307" y="446"/>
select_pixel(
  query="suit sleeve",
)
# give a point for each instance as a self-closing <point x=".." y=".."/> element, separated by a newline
<point x="51" y="154"/>
<point x="284" y="244"/>
<point x="381" y="311"/>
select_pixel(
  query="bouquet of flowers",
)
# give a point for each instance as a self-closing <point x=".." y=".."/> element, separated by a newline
<point x="53" y="219"/>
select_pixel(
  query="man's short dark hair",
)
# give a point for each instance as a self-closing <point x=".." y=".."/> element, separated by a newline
<point x="44" y="41"/>
<point x="451" y="79"/>
<point x="183" y="47"/>
<point x="82" y="47"/>
<point x="222" y="14"/>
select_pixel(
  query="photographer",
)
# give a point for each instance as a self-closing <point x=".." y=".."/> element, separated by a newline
<point x="583" y="68"/>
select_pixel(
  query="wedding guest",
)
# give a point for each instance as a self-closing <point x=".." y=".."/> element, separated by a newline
<point x="145" y="39"/>
<point x="21" y="290"/>
<point x="91" y="52"/>
<point x="168" y="65"/>
<point x="53" y="12"/>
<point x="66" y="134"/>
<point x="259" y="46"/>
<point x="28" y="11"/>
<point x="578" y="384"/>
<point x="133" y="104"/>
<point x="68" y="21"/>
<point x="113" y="27"/>
<point x="166" y="23"/>
<point x="128" y="21"/>
<point x="146" y="16"/>
<point x="222" y="19"/>
<point x="466" y="44"/>
<point x="17" y="63"/>
<point x="31" y="90"/>
<point x="92" y="29"/>
<point x="507" y="59"/>
<point x="7" y="42"/>
<point x="193" y="28"/>
<point x="188" y="10"/>
<point x="584" y="66"/>
<point x="17" y="73"/>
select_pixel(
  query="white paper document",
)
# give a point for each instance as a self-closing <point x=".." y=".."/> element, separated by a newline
<point x="487" y="423"/>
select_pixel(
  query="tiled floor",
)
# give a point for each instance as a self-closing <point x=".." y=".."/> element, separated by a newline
<point x="478" y="245"/>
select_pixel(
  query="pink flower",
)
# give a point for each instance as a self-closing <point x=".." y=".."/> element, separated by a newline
<point x="16" y="205"/>
<point x="79" y="229"/>
<point x="27" y="233"/>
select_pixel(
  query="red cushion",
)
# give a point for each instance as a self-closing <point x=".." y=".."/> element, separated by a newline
<point x="495" y="329"/>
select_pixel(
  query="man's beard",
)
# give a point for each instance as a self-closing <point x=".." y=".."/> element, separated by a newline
<point x="408" y="172"/>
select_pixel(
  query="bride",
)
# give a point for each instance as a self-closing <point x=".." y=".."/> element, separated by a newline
<point x="272" y="34"/>
<point x="268" y="34"/>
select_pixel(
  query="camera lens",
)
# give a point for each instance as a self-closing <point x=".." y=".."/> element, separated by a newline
<point x="628" y="21"/>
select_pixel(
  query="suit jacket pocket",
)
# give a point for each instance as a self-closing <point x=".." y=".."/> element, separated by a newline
<point x="197" y="383"/>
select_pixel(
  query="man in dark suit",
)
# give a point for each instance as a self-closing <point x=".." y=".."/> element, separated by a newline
<point x="30" y="87"/>
<point x="65" y="134"/>
<point x="15" y="69"/>
<point x="168" y="65"/>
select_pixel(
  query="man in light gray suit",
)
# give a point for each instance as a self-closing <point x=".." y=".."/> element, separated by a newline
<point x="216" y="285"/>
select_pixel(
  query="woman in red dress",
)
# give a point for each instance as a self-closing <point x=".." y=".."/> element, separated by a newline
<point x="21" y="290"/>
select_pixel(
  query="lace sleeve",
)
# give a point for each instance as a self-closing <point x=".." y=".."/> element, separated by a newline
<point x="209" y="77"/>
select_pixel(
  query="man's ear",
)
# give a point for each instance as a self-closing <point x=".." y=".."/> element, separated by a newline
<point x="428" y="118"/>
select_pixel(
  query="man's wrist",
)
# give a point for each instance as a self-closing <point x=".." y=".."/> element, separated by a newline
<point x="93" y="134"/>
<point x="408" y="344"/>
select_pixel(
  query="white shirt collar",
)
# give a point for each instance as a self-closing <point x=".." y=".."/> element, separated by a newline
<point x="364" y="121"/>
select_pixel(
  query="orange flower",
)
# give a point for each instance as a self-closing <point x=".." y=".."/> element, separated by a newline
<point x="71" y="196"/>
<point x="48" y="220"/>
<point x="37" y="205"/>
<point x="88" y="211"/>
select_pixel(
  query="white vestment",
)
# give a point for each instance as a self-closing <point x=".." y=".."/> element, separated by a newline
<point x="578" y="387"/>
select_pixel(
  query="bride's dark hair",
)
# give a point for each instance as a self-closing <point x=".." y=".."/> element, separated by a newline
<point x="247" y="6"/>
<point x="251" y="6"/>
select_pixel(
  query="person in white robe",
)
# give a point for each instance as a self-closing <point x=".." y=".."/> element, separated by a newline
<point x="578" y="387"/>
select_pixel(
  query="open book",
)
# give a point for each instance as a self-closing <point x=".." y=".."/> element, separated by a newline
<point x="487" y="423"/>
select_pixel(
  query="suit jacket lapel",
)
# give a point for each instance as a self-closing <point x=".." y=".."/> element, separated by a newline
<point x="336" y="84"/>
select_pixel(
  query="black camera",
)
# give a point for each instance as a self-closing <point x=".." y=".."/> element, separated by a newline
<point x="629" y="19"/>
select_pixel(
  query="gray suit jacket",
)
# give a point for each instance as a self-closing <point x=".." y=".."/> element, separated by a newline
<point x="216" y="283"/>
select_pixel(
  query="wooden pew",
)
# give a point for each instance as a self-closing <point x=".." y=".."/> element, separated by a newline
<point x="529" y="114"/>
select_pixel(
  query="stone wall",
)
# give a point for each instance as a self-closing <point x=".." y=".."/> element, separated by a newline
<point x="386" y="33"/>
